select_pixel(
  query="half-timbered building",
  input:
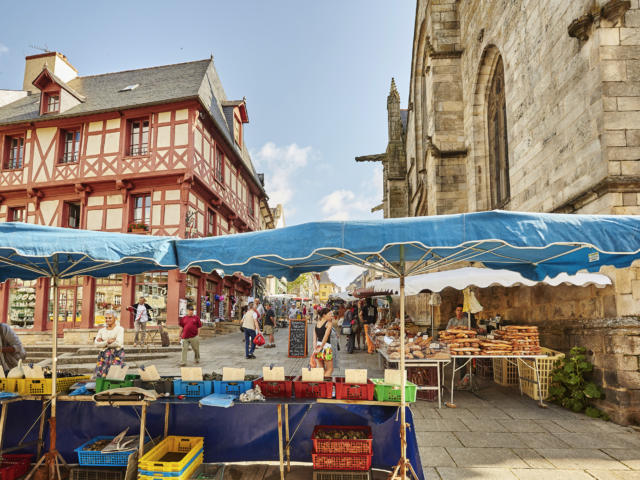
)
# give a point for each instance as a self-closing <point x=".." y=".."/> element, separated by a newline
<point x="155" y="151"/>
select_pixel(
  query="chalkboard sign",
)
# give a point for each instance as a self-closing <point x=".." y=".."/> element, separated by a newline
<point x="297" y="338"/>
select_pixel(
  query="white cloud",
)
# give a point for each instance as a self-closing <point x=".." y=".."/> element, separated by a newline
<point x="346" y="204"/>
<point x="281" y="165"/>
<point x="3" y="48"/>
<point x="342" y="276"/>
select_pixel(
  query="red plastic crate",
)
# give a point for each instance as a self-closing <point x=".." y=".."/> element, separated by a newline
<point x="354" y="391"/>
<point x="312" y="389"/>
<point x="428" y="395"/>
<point x="276" y="389"/>
<point x="340" y="461"/>
<point x="341" y="446"/>
<point x="15" y="465"/>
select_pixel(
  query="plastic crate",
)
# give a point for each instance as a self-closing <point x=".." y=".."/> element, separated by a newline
<point x="340" y="461"/>
<point x="150" y="461"/>
<point x="338" y="475"/>
<point x="484" y="367"/>
<point x="341" y="446"/>
<point x="504" y="373"/>
<point x="8" y="385"/>
<point x="544" y="367"/>
<point x="8" y="472"/>
<point x="354" y="391"/>
<point x="385" y="392"/>
<point x="186" y="473"/>
<point x="232" y="388"/>
<point x="103" y="384"/>
<point x="110" y="459"/>
<point x="20" y="386"/>
<point x="276" y="389"/>
<point x="83" y="473"/>
<point x="162" y="386"/>
<point x="195" y="389"/>
<point x="15" y="465"/>
<point x="42" y="386"/>
<point x="312" y="389"/>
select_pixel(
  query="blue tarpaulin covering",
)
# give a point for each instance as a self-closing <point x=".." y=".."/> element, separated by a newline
<point x="244" y="432"/>
<point x="30" y="251"/>
<point x="535" y="244"/>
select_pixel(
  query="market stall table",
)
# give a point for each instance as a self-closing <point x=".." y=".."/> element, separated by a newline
<point x="253" y="439"/>
<point x="437" y="363"/>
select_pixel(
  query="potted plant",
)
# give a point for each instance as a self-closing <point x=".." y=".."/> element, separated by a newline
<point x="138" y="227"/>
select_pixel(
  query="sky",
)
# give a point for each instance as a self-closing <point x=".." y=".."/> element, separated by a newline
<point x="316" y="75"/>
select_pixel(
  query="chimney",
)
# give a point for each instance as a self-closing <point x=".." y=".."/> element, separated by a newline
<point x="57" y="64"/>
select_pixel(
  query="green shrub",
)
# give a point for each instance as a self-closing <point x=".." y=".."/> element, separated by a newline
<point x="571" y="386"/>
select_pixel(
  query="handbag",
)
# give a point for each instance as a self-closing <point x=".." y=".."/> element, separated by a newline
<point x="259" y="340"/>
<point x="346" y="330"/>
<point x="241" y="328"/>
<point x="355" y="328"/>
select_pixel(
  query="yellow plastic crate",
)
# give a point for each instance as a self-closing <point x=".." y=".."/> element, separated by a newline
<point x="544" y="367"/>
<point x="42" y="386"/>
<point x="150" y="461"/>
<point x="21" y="386"/>
<point x="187" y="474"/>
<point x="504" y="372"/>
<point x="9" y="385"/>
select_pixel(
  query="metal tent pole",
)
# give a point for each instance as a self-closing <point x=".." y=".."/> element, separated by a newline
<point x="403" y="382"/>
<point x="52" y="460"/>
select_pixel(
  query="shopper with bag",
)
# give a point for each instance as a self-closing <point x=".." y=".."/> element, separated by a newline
<point x="323" y="352"/>
<point x="251" y="329"/>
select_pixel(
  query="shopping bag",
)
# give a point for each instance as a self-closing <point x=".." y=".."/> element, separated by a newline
<point x="259" y="340"/>
<point x="346" y="330"/>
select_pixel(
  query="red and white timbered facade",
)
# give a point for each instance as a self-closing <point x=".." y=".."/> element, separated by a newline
<point x="166" y="167"/>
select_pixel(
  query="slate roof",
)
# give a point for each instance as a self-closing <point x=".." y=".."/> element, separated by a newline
<point x="157" y="85"/>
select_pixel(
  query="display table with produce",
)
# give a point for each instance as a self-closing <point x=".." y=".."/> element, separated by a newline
<point x="245" y="427"/>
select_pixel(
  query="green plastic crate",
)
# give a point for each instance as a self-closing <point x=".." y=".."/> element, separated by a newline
<point x="103" y="384"/>
<point x="385" y="392"/>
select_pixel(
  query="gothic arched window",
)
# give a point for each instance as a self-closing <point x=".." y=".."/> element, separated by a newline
<point x="498" y="146"/>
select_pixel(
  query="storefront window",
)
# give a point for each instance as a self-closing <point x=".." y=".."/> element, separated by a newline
<point x="108" y="297"/>
<point x="22" y="303"/>
<point x="153" y="287"/>
<point x="209" y="301"/>
<point x="69" y="301"/>
<point x="191" y="291"/>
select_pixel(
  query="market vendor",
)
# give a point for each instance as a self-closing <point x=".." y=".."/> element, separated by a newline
<point x="11" y="349"/>
<point x="110" y="341"/>
<point x="460" y="319"/>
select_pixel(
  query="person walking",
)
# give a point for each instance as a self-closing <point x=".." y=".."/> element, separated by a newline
<point x="322" y="351"/>
<point x="269" y="325"/>
<point x="11" y="349"/>
<point x="191" y="325"/>
<point x="251" y="328"/>
<point x="370" y="318"/>
<point x="110" y="341"/>
<point x="350" y="321"/>
<point x="142" y="312"/>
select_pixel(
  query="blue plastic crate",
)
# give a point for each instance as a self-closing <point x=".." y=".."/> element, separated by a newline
<point x="110" y="459"/>
<point x="192" y="388"/>
<point x="232" y="388"/>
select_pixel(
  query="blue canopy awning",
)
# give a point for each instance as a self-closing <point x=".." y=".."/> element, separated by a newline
<point x="30" y="251"/>
<point x="536" y="245"/>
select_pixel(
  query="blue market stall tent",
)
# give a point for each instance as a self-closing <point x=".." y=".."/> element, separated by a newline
<point x="32" y="251"/>
<point x="536" y="245"/>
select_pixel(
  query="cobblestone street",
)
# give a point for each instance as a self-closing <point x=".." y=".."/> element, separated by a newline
<point x="493" y="434"/>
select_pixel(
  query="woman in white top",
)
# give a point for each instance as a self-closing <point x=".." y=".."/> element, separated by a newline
<point x="110" y="341"/>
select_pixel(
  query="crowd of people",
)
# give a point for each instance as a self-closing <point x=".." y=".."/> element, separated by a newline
<point x="351" y="320"/>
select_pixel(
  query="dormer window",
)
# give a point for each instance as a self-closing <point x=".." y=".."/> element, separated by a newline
<point x="52" y="102"/>
<point x="237" y="130"/>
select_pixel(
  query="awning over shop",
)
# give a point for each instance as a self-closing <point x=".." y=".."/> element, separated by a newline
<point x="462" y="278"/>
<point x="344" y="296"/>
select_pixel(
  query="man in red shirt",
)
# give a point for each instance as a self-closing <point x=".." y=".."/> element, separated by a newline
<point x="190" y="324"/>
